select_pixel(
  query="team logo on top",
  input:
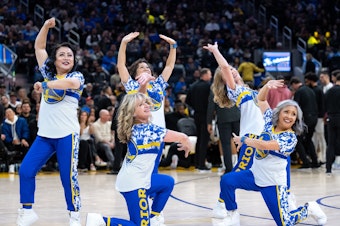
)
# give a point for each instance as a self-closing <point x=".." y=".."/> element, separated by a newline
<point x="261" y="154"/>
<point x="53" y="96"/>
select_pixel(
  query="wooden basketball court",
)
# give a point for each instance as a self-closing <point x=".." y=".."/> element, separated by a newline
<point x="194" y="195"/>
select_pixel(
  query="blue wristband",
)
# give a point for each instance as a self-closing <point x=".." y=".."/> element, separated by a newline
<point x="173" y="46"/>
<point x="243" y="139"/>
<point x="44" y="85"/>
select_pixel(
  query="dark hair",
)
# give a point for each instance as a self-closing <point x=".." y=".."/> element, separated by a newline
<point x="133" y="67"/>
<point x="53" y="56"/>
<point x="294" y="80"/>
<point x="203" y="71"/>
<point x="311" y="76"/>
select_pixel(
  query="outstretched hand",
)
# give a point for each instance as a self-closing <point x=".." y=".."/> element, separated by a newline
<point x="144" y="78"/>
<point x="274" y="84"/>
<point x="186" y="146"/>
<point x="129" y="37"/>
<point x="211" y="47"/>
<point x="167" y="39"/>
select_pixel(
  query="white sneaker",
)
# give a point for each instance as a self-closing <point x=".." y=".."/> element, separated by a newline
<point x="219" y="211"/>
<point x="95" y="219"/>
<point x="157" y="220"/>
<point x="11" y="168"/>
<point x="26" y="217"/>
<point x="232" y="219"/>
<point x="92" y="167"/>
<point x="208" y="165"/>
<point x="174" y="162"/>
<point x="316" y="212"/>
<point x="74" y="218"/>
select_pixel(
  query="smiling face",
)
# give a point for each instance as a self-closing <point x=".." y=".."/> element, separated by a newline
<point x="143" y="68"/>
<point x="142" y="111"/>
<point x="64" y="60"/>
<point x="287" y="118"/>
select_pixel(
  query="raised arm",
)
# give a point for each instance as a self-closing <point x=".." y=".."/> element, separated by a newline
<point x="40" y="41"/>
<point x="262" y="96"/>
<point x="183" y="140"/>
<point x="121" y="61"/>
<point x="170" y="62"/>
<point x="223" y="64"/>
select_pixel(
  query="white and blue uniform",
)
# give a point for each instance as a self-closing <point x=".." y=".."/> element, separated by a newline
<point x="267" y="175"/>
<point x="251" y="122"/>
<point x="58" y="133"/>
<point x="156" y="91"/>
<point x="136" y="180"/>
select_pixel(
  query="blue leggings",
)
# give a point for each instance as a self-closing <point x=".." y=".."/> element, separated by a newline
<point x="275" y="197"/>
<point x="138" y="204"/>
<point x="245" y="161"/>
<point x="42" y="149"/>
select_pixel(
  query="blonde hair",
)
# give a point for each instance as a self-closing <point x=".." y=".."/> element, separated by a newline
<point x="126" y="111"/>
<point x="218" y="87"/>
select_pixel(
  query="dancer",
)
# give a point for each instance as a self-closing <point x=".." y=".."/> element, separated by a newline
<point x="268" y="172"/>
<point x="139" y="77"/>
<point x="251" y="121"/>
<point x="136" y="179"/>
<point x="58" y="126"/>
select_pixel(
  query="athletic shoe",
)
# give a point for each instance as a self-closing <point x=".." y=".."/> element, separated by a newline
<point x="316" y="212"/>
<point x="95" y="219"/>
<point x="219" y="211"/>
<point x="232" y="219"/>
<point x="92" y="167"/>
<point x="74" y="218"/>
<point x="174" y="162"/>
<point x="204" y="170"/>
<point x="157" y="221"/>
<point x="100" y="163"/>
<point x="26" y="217"/>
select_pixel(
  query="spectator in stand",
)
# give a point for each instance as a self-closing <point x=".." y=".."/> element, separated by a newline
<point x="306" y="99"/>
<point x="333" y="125"/>
<point x="326" y="85"/>
<point x="104" y="137"/>
<point x="3" y="90"/>
<point x="197" y="98"/>
<point x="228" y="122"/>
<point x="87" y="150"/>
<point x="13" y="100"/>
<point x="15" y="135"/>
<point x="247" y="70"/>
<point x="279" y="94"/>
<point x="26" y="111"/>
<point x="311" y="80"/>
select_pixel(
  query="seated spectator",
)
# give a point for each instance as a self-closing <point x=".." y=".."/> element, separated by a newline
<point x="88" y="156"/>
<point x="104" y="137"/>
<point x="174" y="157"/>
<point x="26" y="111"/>
<point x="15" y="135"/>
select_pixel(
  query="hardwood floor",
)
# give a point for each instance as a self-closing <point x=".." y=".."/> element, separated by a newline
<point x="193" y="197"/>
